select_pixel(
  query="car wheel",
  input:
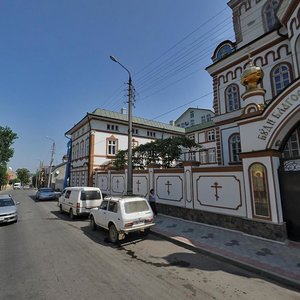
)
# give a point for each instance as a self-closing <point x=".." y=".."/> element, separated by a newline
<point x="113" y="234"/>
<point x="60" y="209"/>
<point x="92" y="223"/>
<point x="146" y="231"/>
<point x="72" y="217"/>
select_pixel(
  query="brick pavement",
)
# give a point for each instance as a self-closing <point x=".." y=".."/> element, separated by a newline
<point x="276" y="260"/>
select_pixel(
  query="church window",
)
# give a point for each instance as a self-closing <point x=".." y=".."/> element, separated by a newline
<point x="232" y="97"/>
<point x="235" y="148"/>
<point x="292" y="147"/>
<point x="224" y="51"/>
<point x="269" y="14"/>
<point x="280" y="78"/>
<point x="259" y="191"/>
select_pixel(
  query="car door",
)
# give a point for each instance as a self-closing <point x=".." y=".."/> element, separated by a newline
<point x="100" y="215"/>
<point x="65" y="201"/>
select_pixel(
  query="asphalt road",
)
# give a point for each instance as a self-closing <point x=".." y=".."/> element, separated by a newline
<point x="47" y="256"/>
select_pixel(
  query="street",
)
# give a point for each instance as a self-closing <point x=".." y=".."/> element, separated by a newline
<point x="47" y="256"/>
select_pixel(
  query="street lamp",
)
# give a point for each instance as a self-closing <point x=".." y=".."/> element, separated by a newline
<point x="51" y="159"/>
<point x="129" y="168"/>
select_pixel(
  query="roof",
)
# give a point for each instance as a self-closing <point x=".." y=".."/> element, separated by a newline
<point x="141" y="121"/>
<point x="199" y="127"/>
<point x="193" y="108"/>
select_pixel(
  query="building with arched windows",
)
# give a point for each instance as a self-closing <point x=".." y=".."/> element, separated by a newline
<point x="246" y="175"/>
<point x="257" y="113"/>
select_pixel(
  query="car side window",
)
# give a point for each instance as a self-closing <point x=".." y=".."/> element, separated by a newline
<point x="68" y="193"/>
<point x="103" y="205"/>
<point x="113" y="207"/>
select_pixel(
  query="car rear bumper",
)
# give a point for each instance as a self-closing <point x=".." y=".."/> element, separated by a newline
<point x="137" y="228"/>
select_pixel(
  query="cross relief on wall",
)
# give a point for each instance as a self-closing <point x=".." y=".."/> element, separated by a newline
<point x="216" y="186"/>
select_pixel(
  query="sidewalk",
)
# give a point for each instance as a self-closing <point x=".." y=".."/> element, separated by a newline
<point x="277" y="261"/>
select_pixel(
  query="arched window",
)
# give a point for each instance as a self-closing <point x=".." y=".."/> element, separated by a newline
<point x="224" y="51"/>
<point x="292" y="146"/>
<point x="232" y="98"/>
<point x="269" y="14"/>
<point x="235" y="148"/>
<point x="259" y="191"/>
<point x="281" y="78"/>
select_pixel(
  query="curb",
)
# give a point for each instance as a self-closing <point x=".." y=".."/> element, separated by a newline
<point x="283" y="280"/>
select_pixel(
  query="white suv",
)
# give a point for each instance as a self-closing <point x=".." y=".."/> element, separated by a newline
<point x="122" y="215"/>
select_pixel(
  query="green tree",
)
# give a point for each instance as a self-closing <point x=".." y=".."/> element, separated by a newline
<point x="24" y="175"/>
<point x="7" y="137"/>
<point x="3" y="175"/>
<point x="162" y="151"/>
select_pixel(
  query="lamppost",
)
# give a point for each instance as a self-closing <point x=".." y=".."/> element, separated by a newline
<point x="129" y="168"/>
<point x="51" y="160"/>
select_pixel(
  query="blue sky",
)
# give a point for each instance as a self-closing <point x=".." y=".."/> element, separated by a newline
<point x="55" y="66"/>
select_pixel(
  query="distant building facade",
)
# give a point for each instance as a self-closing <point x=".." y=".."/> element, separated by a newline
<point x="194" y="116"/>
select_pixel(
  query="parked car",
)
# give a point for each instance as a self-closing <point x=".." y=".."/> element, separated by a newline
<point x="8" y="209"/>
<point x="78" y="201"/>
<point x="17" y="186"/>
<point x="45" y="194"/>
<point x="122" y="215"/>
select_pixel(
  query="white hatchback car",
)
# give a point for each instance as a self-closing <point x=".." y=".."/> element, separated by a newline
<point x="122" y="215"/>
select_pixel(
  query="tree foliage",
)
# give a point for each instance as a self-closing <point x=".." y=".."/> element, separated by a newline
<point x="24" y="175"/>
<point x="7" y="138"/>
<point x="162" y="151"/>
<point x="3" y="175"/>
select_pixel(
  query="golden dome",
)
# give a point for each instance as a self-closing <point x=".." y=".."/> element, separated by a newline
<point x="252" y="76"/>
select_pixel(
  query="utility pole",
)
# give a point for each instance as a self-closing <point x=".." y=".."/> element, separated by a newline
<point x="129" y="167"/>
<point x="51" y="162"/>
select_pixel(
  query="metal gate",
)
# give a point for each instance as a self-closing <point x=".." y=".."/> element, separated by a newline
<point x="289" y="176"/>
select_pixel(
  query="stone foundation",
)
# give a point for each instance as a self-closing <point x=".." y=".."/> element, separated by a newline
<point x="253" y="227"/>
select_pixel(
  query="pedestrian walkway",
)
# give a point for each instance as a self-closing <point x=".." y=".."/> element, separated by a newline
<point x="279" y="261"/>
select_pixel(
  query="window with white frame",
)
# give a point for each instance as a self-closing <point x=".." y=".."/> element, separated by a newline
<point x="210" y="135"/>
<point x="203" y="157"/>
<point x="203" y="119"/>
<point x="87" y="147"/>
<point x="82" y="148"/>
<point x="111" y="147"/>
<point x="211" y="155"/>
<point x="281" y="77"/>
<point x="235" y="148"/>
<point x="151" y="133"/>
<point x="77" y="150"/>
<point x="192" y="114"/>
<point x="112" y="127"/>
<point x="208" y="117"/>
<point x="269" y="14"/>
<point x="232" y="97"/>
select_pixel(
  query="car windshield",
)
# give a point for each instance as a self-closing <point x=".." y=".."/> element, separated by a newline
<point x="136" y="206"/>
<point x="6" y="202"/>
<point x="46" y="190"/>
<point x="90" y="195"/>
